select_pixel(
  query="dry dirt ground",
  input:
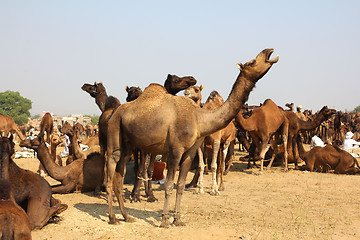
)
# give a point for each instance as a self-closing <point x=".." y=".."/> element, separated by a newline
<point x="274" y="205"/>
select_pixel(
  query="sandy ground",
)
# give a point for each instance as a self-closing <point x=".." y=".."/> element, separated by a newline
<point x="275" y="205"/>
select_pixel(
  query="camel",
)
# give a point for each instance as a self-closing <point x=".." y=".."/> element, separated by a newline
<point x="90" y="130"/>
<point x="133" y="93"/>
<point x="46" y="125"/>
<point x="263" y="123"/>
<point x="219" y="140"/>
<point x="290" y="106"/>
<point x="8" y="125"/>
<point x="30" y="190"/>
<point x="296" y="125"/>
<point x="330" y="157"/>
<point x="173" y="84"/>
<point x="194" y="93"/>
<point x="14" y="223"/>
<point x="85" y="174"/>
<point x="174" y="126"/>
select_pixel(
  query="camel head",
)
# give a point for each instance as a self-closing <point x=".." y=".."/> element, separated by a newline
<point x="66" y="128"/>
<point x="194" y="92"/>
<point x="258" y="67"/>
<point x="34" y="143"/>
<point x="93" y="90"/>
<point x="215" y="97"/>
<point x="7" y="146"/>
<point x="328" y="112"/>
<point x="175" y="84"/>
<point x="133" y="93"/>
<point x="55" y="139"/>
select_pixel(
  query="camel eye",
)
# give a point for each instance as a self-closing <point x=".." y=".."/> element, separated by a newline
<point x="196" y="90"/>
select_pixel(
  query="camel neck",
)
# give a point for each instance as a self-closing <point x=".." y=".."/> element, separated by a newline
<point x="215" y="120"/>
<point x="55" y="171"/>
<point x="100" y="100"/>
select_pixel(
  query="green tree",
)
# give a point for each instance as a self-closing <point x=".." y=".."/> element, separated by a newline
<point x="14" y="105"/>
<point x="357" y="109"/>
<point x="94" y="119"/>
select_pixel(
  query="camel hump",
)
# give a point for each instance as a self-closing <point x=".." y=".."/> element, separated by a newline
<point x="153" y="90"/>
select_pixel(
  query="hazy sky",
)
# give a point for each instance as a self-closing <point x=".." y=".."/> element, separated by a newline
<point x="49" y="49"/>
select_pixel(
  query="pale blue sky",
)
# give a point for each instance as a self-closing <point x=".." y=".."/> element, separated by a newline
<point x="49" y="49"/>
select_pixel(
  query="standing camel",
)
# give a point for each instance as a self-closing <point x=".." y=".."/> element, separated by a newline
<point x="8" y="125"/>
<point x="46" y="125"/>
<point x="174" y="126"/>
<point x="263" y="123"/>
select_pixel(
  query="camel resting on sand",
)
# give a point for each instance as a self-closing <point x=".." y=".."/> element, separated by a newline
<point x="14" y="223"/>
<point x="29" y="189"/>
<point x="174" y="126"/>
<point x="327" y="158"/>
<point x="85" y="174"/>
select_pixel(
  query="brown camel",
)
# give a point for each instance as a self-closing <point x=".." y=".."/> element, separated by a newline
<point x="173" y="84"/>
<point x="46" y="125"/>
<point x="219" y="140"/>
<point x="14" y="223"/>
<point x="263" y="123"/>
<point x="330" y="157"/>
<point x="30" y="190"/>
<point x="194" y="93"/>
<point x="85" y="174"/>
<point x="90" y="130"/>
<point x="290" y="106"/>
<point x="296" y="125"/>
<point x="174" y="126"/>
<point x="133" y="93"/>
<point x="8" y="125"/>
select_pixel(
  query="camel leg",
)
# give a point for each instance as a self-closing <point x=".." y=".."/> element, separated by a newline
<point x="220" y="177"/>
<point x="118" y="186"/>
<point x="294" y="149"/>
<point x="110" y="167"/>
<point x="214" y="186"/>
<point x="148" y="185"/>
<point x="275" y="148"/>
<point x="264" y="147"/>
<point x="140" y="175"/>
<point x="180" y="186"/>
<point x="39" y="210"/>
<point x="173" y="163"/>
<point x="62" y="189"/>
<point x="201" y="171"/>
<point x="230" y="153"/>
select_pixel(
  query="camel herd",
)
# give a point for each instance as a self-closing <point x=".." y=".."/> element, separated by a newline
<point x="184" y="131"/>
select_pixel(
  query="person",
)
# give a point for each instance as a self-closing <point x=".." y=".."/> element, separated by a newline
<point x="349" y="143"/>
<point x="299" y="114"/>
<point x="66" y="146"/>
<point x="316" y="141"/>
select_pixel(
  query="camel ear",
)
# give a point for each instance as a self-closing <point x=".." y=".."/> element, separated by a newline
<point x="127" y="88"/>
<point x="95" y="83"/>
<point x="240" y="66"/>
<point x="201" y="87"/>
<point x="169" y="76"/>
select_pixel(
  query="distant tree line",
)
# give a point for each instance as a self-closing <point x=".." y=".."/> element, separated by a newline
<point x="14" y="105"/>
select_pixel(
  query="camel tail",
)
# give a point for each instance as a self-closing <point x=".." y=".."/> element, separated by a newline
<point x="357" y="164"/>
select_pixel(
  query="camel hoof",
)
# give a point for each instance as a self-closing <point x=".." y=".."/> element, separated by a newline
<point x="135" y="199"/>
<point x="190" y="185"/>
<point x="165" y="221"/>
<point x="222" y="188"/>
<point x="113" y="221"/>
<point x="130" y="219"/>
<point x="178" y="223"/>
<point x="200" y="191"/>
<point x="215" y="193"/>
<point x="152" y="199"/>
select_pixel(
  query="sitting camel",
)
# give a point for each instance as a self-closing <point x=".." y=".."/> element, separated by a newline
<point x="296" y="125"/>
<point x="8" y="125"/>
<point x="14" y="223"/>
<point x="263" y="123"/>
<point x="46" y="125"/>
<point x="30" y="190"/>
<point x="330" y="157"/>
<point x="85" y="174"/>
<point x="174" y="126"/>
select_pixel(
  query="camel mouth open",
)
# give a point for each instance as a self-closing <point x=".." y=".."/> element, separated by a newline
<point x="268" y="55"/>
